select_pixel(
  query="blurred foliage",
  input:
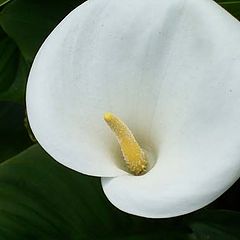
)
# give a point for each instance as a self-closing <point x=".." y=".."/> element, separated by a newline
<point x="13" y="135"/>
<point x="3" y="2"/>
<point x="232" y="7"/>
<point x="41" y="199"/>
<point x="29" y="22"/>
<point x="13" y="70"/>
<point x="215" y="225"/>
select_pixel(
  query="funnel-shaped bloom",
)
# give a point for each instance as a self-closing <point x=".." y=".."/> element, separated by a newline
<point x="171" y="70"/>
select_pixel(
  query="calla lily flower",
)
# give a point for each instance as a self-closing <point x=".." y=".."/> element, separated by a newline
<point x="170" y="70"/>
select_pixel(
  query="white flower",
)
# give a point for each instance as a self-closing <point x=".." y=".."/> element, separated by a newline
<point x="171" y="70"/>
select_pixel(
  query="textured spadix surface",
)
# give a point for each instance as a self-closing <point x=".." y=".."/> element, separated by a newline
<point x="170" y="70"/>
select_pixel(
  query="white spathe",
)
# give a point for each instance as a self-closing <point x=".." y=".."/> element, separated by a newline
<point x="171" y="70"/>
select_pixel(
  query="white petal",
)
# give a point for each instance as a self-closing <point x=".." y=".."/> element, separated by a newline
<point x="196" y="120"/>
<point x="170" y="70"/>
<point x="66" y="99"/>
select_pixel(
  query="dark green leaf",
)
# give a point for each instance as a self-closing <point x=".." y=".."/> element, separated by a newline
<point x="3" y="2"/>
<point x="13" y="71"/>
<point x="8" y="61"/>
<point x="29" y="22"/>
<point x="215" y="225"/>
<point x="13" y="135"/>
<point x="41" y="199"/>
<point x="228" y="1"/>
<point x="232" y="7"/>
<point x="229" y="200"/>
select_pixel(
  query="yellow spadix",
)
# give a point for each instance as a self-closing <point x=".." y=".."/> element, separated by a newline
<point x="133" y="155"/>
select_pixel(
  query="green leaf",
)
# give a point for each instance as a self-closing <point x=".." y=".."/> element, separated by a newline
<point x="41" y="199"/>
<point x="232" y="7"/>
<point x="13" y="71"/>
<point x="229" y="200"/>
<point x="3" y="2"/>
<point x="8" y="61"/>
<point x="29" y="22"/>
<point x="228" y="1"/>
<point x="215" y="225"/>
<point x="13" y="135"/>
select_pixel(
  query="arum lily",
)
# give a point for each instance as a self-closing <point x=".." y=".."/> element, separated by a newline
<point x="168" y="73"/>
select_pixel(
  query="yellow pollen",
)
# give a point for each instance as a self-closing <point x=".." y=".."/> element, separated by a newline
<point x="133" y="155"/>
